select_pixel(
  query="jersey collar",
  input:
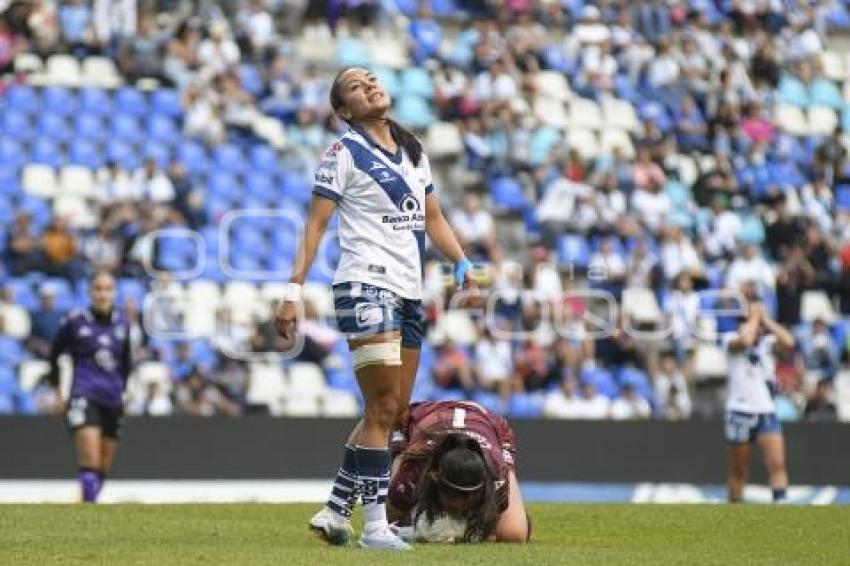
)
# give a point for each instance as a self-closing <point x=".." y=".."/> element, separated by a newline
<point x="394" y="157"/>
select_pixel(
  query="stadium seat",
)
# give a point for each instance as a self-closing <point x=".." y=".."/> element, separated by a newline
<point x="90" y="127"/>
<point x="443" y="140"/>
<point x="23" y="293"/>
<point x="613" y="138"/>
<point x="58" y="100"/>
<point x="351" y="51"/>
<point x="28" y="63"/>
<point x="603" y="381"/>
<point x="790" y="119"/>
<point x="551" y="112"/>
<point x="339" y="404"/>
<point x="526" y="406"/>
<point x="229" y="158"/>
<point x="30" y="372"/>
<point x="822" y="120"/>
<point x="264" y="159"/>
<point x="46" y="151"/>
<point x="585" y="113"/>
<point x="22" y="98"/>
<point x="490" y="401"/>
<point x="86" y="154"/>
<point x="640" y="304"/>
<point x="54" y="127"/>
<point x="457" y="326"/>
<point x="842" y="197"/>
<point x="414" y="111"/>
<point x="123" y="153"/>
<point x="507" y="195"/>
<point x="817" y="305"/>
<point x="316" y="44"/>
<point x="619" y="113"/>
<point x="162" y="128"/>
<point x="134" y="289"/>
<point x="388" y="51"/>
<point x="710" y="362"/>
<point x="266" y="386"/>
<point x="552" y="84"/>
<point x="95" y="101"/>
<point x="76" y="180"/>
<point x="826" y="93"/>
<point x="126" y="128"/>
<point x="130" y="101"/>
<point x="301" y="407"/>
<point x="584" y="141"/>
<point x="100" y="72"/>
<point x="306" y="380"/>
<point x="573" y="250"/>
<point x="321" y="296"/>
<point x="39" y="181"/>
<point x="16" y="321"/>
<point x="153" y="372"/>
<point x="12" y="158"/>
<point x="75" y="210"/>
<point x="63" y="70"/>
<point x="11" y="352"/>
<point x="416" y="81"/>
<point x="792" y="91"/>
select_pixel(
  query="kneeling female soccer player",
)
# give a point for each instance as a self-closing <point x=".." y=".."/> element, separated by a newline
<point x="453" y="476"/>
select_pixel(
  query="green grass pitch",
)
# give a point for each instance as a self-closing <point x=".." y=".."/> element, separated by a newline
<point x="563" y="534"/>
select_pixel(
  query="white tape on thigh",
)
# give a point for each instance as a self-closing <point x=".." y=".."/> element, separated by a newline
<point x="386" y="353"/>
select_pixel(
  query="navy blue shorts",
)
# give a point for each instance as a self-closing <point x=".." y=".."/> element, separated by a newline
<point x="744" y="428"/>
<point x="82" y="412"/>
<point x="365" y="310"/>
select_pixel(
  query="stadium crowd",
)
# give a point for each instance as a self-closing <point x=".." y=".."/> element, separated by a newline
<point x="654" y="151"/>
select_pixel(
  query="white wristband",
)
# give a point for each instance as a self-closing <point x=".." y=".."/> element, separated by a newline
<point x="292" y="292"/>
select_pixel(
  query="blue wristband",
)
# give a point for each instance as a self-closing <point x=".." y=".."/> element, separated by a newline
<point x="461" y="268"/>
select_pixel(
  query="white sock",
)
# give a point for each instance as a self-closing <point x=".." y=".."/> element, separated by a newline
<point x="376" y="517"/>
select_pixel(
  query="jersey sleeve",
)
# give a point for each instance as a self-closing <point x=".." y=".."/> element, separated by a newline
<point x="332" y="173"/>
<point x="507" y="439"/>
<point x="425" y="166"/>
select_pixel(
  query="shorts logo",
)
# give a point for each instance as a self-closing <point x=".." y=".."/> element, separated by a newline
<point x="85" y="331"/>
<point x="368" y="314"/>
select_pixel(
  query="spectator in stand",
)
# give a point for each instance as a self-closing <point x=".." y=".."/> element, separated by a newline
<point x="563" y="403"/>
<point x="691" y="128"/>
<point x="474" y="227"/>
<point x="102" y="250"/>
<point x="592" y="405"/>
<point x="153" y="183"/>
<point x="44" y="324"/>
<point x="198" y="397"/>
<point x="217" y="53"/>
<point x="678" y="255"/>
<point x="795" y="275"/>
<point x="75" y="18"/>
<point x="258" y="27"/>
<point x="750" y="266"/>
<point x="60" y="250"/>
<point x="139" y="56"/>
<point x="532" y="366"/>
<point x="425" y="35"/>
<point x="820" y="352"/>
<point x="183" y="365"/>
<point x="671" y="390"/>
<point x="496" y="88"/>
<point x="820" y="407"/>
<point x="493" y="364"/>
<point x="180" y="64"/>
<point x="453" y="368"/>
<point x="629" y="405"/>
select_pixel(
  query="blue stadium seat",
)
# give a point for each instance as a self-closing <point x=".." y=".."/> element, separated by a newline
<point x="17" y="125"/>
<point x="573" y="250"/>
<point x="222" y="184"/>
<point x="351" y="51"/>
<point x="86" y="153"/>
<point x="603" y="381"/>
<point x="264" y="159"/>
<point x="507" y="195"/>
<point x="824" y="92"/>
<point x="23" y="293"/>
<point x="417" y="81"/>
<point x="792" y="91"/>
<point x="12" y="156"/>
<point x="131" y="101"/>
<point x="261" y="186"/>
<point x="638" y="380"/>
<point x="193" y="155"/>
<point x="444" y="8"/>
<point x="229" y="158"/>
<point x="162" y="128"/>
<point x="54" y="126"/>
<point x="58" y="100"/>
<point x="166" y="101"/>
<point x="525" y="406"/>
<point x="63" y="292"/>
<point x="414" y="111"/>
<point x="296" y="188"/>
<point x="491" y="401"/>
<point x="542" y="142"/>
<point x="123" y="154"/>
<point x="10" y="186"/>
<point x="90" y="126"/>
<point x="842" y="197"/>
<point x="131" y="289"/>
<point x="23" y="98"/>
<point x="157" y="151"/>
<point x="95" y="101"/>
<point x="125" y="127"/>
<point x="45" y="151"/>
<point x="442" y="394"/>
<point x="251" y="79"/>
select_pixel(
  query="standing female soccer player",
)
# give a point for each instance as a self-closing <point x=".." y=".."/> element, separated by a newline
<point x="454" y="458"/>
<point x="379" y="178"/>
<point x="750" y="412"/>
<point x="98" y="339"/>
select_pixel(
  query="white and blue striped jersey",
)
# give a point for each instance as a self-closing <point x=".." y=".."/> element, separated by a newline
<point x="381" y="203"/>
<point x="752" y="375"/>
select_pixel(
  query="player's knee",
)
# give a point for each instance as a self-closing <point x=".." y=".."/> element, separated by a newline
<point x="383" y="409"/>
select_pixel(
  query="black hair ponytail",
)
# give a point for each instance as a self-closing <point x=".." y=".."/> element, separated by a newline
<point x="457" y="467"/>
<point x="402" y="136"/>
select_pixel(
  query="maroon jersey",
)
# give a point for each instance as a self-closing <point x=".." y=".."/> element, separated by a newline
<point x="423" y="423"/>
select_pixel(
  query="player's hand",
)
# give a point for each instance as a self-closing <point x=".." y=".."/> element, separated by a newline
<point x="286" y="319"/>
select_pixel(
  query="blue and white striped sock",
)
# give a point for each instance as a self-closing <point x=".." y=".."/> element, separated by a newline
<point x="373" y="473"/>
<point x="345" y="489"/>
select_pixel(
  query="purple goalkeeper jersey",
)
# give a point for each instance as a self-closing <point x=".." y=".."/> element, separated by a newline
<point x="100" y="350"/>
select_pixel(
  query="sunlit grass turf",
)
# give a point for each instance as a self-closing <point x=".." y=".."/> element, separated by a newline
<point x="563" y="534"/>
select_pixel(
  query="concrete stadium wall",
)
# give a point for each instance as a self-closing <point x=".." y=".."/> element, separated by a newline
<point x="267" y="448"/>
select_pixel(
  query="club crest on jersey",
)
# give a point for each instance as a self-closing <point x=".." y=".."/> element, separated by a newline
<point x="409" y="204"/>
